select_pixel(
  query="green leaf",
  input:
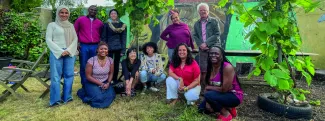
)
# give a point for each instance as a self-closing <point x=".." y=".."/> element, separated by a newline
<point x="271" y="29"/>
<point x="283" y="84"/>
<point x="275" y="22"/>
<point x="307" y="76"/>
<point x="230" y="10"/>
<point x="270" y="79"/>
<point x="304" y="91"/>
<point x="315" y="102"/>
<point x="244" y="18"/>
<point x="257" y="71"/>
<point x="267" y="63"/>
<point x="298" y="66"/>
<point x="256" y="13"/>
<point x="291" y="83"/>
<point x="222" y="3"/>
<point x="311" y="70"/>
<point x="284" y="67"/>
<point x="271" y="51"/>
<point x="280" y="74"/>
<point x="260" y="35"/>
<point x="301" y="97"/>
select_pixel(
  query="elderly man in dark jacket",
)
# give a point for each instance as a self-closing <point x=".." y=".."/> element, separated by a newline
<point x="206" y="34"/>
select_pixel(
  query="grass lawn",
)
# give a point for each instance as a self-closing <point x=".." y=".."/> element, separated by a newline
<point x="149" y="107"/>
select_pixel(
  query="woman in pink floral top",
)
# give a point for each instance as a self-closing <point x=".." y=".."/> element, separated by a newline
<point x="98" y="92"/>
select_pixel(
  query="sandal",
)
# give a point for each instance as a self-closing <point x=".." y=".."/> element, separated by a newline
<point x="123" y="94"/>
<point x="133" y="93"/>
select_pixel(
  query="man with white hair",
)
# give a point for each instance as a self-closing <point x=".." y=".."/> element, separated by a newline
<point x="206" y="34"/>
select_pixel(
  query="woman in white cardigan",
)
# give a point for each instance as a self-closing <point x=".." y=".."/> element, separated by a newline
<point x="62" y="40"/>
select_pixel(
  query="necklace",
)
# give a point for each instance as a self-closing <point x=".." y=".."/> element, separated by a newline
<point x="101" y="61"/>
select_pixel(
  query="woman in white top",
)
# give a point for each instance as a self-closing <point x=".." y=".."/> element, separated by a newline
<point x="62" y="40"/>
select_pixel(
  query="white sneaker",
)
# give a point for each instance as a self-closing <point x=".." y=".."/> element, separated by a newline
<point x="154" y="89"/>
<point x="143" y="92"/>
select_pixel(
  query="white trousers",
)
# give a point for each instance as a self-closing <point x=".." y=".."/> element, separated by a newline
<point x="172" y="90"/>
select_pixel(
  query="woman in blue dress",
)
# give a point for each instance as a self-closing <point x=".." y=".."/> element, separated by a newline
<point x="98" y="92"/>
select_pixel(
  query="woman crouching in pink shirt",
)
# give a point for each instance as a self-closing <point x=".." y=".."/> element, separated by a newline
<point x="184" y="76"/>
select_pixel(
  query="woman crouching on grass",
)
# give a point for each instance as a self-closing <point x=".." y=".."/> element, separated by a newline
<point x="223" y="92"/>
<point x="184" y="76"/>
<point x="151" y="67"/>
<point x="98" y="92"/>
<point x="130" y="71"/>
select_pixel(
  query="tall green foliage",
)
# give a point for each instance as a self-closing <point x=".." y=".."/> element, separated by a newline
<point x="277" y="34"/>
<point x="141" y="12"/>
<point x="25" y="5"/>
<point x="70" y="3"/>
<point x="21" y="35"/>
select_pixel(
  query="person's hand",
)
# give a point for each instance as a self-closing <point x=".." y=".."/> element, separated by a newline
<point x="207" y="88"/>
<point x="128" y="87"/>
<point x="153" y="71"/>
<point x="181" y="84"/>
<point x="64" y="53"/>
<point x="203" y="46"/>
<point x="206" y="48"/>
<point x="105" y="86"/>
<point x="67" y="52"/>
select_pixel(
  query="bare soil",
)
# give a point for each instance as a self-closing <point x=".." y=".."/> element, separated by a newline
<point x="249" y="110"/>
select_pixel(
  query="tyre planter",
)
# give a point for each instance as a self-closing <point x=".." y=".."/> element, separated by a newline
<point x="287" y="111"/>
<point x="4" y="61"/>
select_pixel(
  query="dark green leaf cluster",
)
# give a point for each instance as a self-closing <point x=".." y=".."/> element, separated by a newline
<point x="21" y="35"/>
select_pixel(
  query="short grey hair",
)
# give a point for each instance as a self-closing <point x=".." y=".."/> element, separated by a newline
<point x="202" y="4"/>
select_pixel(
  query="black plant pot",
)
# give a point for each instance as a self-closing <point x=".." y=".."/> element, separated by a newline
<point x="288" y="111"/>
<point x="4" y="61"/>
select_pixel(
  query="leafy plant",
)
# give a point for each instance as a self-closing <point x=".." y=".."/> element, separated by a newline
<point x="25" y="5"/>
<point x="141" y="12"/>
<point x="102" y="13"/>
<point x="21" y="35"/>
<point x="315" y="102"/>
<point x="75" y="13"/>
<point x="276" y="35"/>
<point x="70" y="3"/>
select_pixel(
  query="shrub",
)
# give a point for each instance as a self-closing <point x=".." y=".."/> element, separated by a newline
<point x="21" y="35"/>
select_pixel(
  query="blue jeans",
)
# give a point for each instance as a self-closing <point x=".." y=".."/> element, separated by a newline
<point x="170" y="53"/>
<point x="62" y="67"/>
<point x="86" y="51"/>
<point x="145" y="77"/>
<point x="219" y="100"/>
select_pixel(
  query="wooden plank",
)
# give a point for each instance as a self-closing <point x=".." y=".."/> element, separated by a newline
<point x="254" y="53"/>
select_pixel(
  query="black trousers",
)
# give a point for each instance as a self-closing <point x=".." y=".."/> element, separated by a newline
<point x="116" y="55"/>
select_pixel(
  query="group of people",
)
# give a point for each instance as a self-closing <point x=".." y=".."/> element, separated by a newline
<point x="101" y="45"/>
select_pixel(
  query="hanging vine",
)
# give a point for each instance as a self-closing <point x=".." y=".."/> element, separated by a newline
<point x="141" y="12"/>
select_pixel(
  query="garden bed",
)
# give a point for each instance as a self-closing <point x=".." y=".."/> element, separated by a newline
<point x="249" y="111"/>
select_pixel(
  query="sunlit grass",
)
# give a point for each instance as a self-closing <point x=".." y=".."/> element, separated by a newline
<point x="149" y="107"/>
